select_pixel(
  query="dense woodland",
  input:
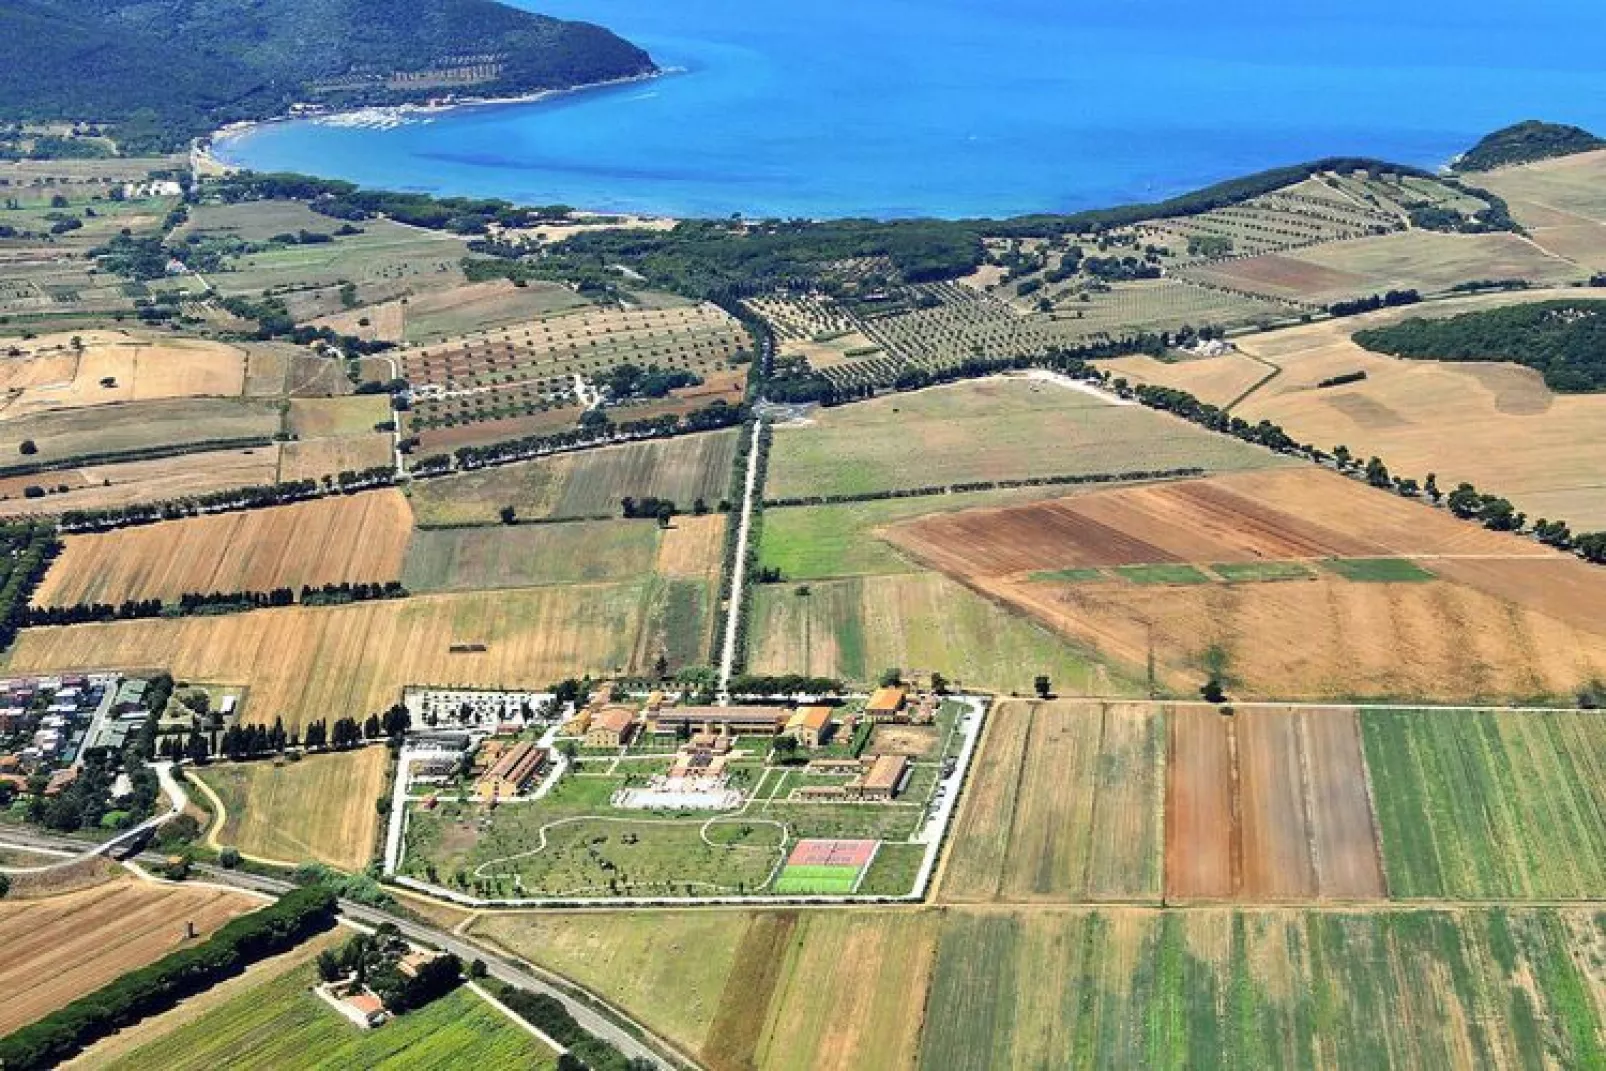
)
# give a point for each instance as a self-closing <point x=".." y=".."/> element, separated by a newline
<point x="164" y="71"/>
<point x="1526" y="142"/>
<point x="1564" y="340"/>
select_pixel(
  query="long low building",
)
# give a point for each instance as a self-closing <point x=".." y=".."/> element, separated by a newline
<point x="883" y="780"/>
<point x="721" y="721"/>
<point x="513" y="771"/>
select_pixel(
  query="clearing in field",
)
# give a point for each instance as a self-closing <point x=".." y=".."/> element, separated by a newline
<point x="1496" y="426"/>
<point x="50" y="372"/>
<point x="589" y="483"/>
<point x="62" y="947"/>
<point x="321" y="808"/>
<point x="342" y="539"/>
<point x="1064" y="806"/>
<point x="854" y="629"/>
<point x="988" y="430"/>
<point x="1462" y="800"/>
<point x="328" y="662"/>
<point x="1268" y="805"/>
<point x="282" y="1023"/>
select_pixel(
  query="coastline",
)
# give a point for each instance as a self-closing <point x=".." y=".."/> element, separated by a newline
<point x="204" y="159"/>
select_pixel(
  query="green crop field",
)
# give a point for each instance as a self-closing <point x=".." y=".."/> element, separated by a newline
<point x="1379" y="570"/>
<point x="283" y="1024"/>
<point x="463" y="559"/>
<point x="988" y="430"/>
<point x="855" y="628"/>
<point x="1071" y="576"/>
<point x="1236" y="572"/>
<point x="386" y="254"/>
<point x="1489" y="805"/>
<point x="1218" y="989"/>
<point x="1162" y="574"/>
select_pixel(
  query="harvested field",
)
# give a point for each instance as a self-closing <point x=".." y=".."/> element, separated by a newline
<point x="321" y="808"/>
<point x="670" y="968"/>
<point x="1064" y="807"/>
<point x="62" y="947"/>
<point x="1328" y="638"/>
<point x="1559" y="203"/>
<point x="307" y="662"/>
<point x="1427" y="261"/>
<point x="465" y="559"/>
<point x="1495" y="425"/>
<point x="850" y="995"/>
<point x="479" y="307"/>
<point x="1287" y="514"/>
<point x="347" y="538"/>
<point x="588" y="483"/>
<point x="325" y="418"/>
<point x="1216" y="380"/>
<point x="317" y="458"/>
<point x="853" y="629"/>
<point x="1462" y="799"/>
<point x="985" y="430"/>
<point x="692" y="547"/>
<point x="1268" y="805"/>
<point x="63" y="434"/>
<point x="48" y="372"/>
<point x="125" y="483"/>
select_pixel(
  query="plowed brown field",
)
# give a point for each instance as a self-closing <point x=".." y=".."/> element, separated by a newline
<point x="1277" y="514"/>
<point x="60" y="948"/>
<point x="1268" y="805"/>
<point x="356" y="538"/>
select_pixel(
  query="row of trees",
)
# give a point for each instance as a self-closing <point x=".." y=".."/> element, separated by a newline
<point x="217" y="602"/>
<point x="240" y="498"/>
<point x="595" y="432"/>
<point x="989" y="485"/>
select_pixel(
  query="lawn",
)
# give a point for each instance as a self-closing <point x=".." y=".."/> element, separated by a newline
<point x="1379" y="570"/>
<point x="282" y="1024"/>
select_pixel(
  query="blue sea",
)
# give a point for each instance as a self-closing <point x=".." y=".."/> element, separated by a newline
<point x="961" y="108"/>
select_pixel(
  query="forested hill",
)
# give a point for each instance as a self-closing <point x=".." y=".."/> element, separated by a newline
<point x="1526" y="142"/>
<point x="164" y="70"/>
<point x="1566" y="340"/>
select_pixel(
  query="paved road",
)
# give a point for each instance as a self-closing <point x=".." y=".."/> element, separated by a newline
<point x="733" y="616"/>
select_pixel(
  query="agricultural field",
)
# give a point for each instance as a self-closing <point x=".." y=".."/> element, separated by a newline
<point x="1217" y="380"/>
<point x="320" y="808"/>
<point x="1268" y="805"/>
<point x="109" y="367"/>
<point x="386" y="260"/>
<point x="987" y="430"/>
<point x="589" y="483"/>
<point x="1426" y="261"/>
<point x="63" y="434"/>
<point x="442" y="314"/>
<point x="1559" y="203"/>
<point x="1279" y="989"/>
<point x="282" y="1022"/>
<point x="1499" y="618"/>
<point x="122" y="483"/>
<point x="530" y="367"/>
<point x="1065" y="806"/>
<point x="305" y="663"/>
<point x="342" y="539"/>
<point x="1495" y="425"/>
<point x="61" y="947"/>
<point x="332" y="418"/>
<point x="312" y="459"/>
<point x="1460" y="797"/>
<point x="855" y="628"/>
<point x="464" y="559"/>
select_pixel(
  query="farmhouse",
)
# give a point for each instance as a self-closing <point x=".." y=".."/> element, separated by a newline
<point x="887" y="704"/>
<point x="723" y="721"/>
<point x="810" y="726"/>
<point x="611" y="728"/>
<point x="515" y="768"/>
<point x="883" y="780"/>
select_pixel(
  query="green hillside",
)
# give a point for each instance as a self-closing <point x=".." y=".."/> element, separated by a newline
<point x="1526" y="142"/>
<point x="165" y="70"/>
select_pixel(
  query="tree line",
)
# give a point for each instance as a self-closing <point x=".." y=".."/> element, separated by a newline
<point x="193" y="604"/>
